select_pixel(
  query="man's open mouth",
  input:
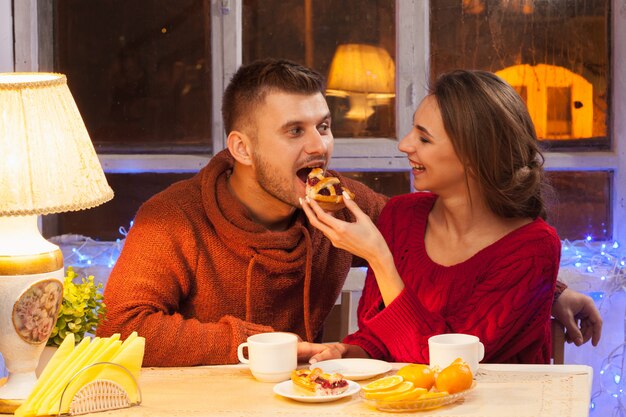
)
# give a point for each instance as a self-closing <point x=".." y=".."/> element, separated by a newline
<point x="303" y="173"/>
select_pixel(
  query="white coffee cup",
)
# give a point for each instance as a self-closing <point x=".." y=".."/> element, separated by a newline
<point x="443" y="349"/>
<point x="271" y="356"/>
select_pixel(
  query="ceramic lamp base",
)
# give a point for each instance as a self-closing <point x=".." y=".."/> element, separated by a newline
<point x="18" y="386"/>
<point x="29" y="306"/>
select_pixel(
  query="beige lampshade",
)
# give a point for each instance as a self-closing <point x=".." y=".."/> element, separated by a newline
<point x="47" y="161"/>
<point x="363" y="69"/>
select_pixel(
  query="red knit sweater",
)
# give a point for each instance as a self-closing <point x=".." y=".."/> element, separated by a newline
<point x="503" y="294"/>
<point x="196" y="276"/>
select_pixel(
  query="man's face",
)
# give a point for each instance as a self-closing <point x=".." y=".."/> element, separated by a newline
<point x="292" y="136"/>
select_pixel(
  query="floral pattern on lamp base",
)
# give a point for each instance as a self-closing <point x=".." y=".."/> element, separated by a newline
<point x="35" y="312"/>
<point x="26" y="304"/>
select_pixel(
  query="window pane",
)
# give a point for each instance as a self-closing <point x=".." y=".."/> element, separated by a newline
<point x="139" y="72"/>
<point x="103" y="222"/>
<point x="555" y="53"/>
<point x="351" y="43"/>
<point x="387" y="183"/>
<point x="581" y="206"/>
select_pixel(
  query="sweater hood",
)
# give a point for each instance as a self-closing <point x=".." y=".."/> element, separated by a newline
<point x="282" y="251"/>
<point x="285" y="253"/>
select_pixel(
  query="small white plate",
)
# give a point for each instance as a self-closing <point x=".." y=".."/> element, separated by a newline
<point x="354" y="368"/>
<point x="288" y="390"/>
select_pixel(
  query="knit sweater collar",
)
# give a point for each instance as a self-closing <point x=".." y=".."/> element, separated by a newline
<point x="282" y="249"/>
<point x="284" y="253"/>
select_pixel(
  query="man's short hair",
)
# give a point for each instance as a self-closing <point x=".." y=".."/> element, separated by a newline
<point x="251" y="83"/>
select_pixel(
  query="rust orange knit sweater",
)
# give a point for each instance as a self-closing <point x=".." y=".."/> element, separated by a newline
<point x="196" y="276"/>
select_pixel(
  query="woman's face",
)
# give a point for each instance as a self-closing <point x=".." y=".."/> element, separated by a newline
<point x="434" y="163"/>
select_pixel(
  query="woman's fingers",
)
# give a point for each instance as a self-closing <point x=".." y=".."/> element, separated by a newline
<point x="328" y="220"/>
<point x="317" y="217"/>
<point x="356" y="237"/>
<point x="321" y="214"/>
<point x="354" y="207"/>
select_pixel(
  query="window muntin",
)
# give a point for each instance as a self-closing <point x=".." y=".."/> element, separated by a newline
<point x="388" y="183"/>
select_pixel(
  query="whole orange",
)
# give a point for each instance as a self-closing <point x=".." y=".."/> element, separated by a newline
<point x="420" y="375"/>
<point x="455" y="378"/>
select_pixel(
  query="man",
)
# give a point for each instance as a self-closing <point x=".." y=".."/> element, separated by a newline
<point x="228" y="253"/>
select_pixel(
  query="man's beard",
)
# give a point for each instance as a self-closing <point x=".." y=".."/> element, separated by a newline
<point x="267" y="180"/>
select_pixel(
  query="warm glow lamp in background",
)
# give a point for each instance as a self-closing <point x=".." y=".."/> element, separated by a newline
<point x="47" y="165"/>
<point x="559" y="101"/>
<point x="363" y="73"/>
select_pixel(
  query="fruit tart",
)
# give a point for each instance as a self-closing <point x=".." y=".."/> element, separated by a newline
<point x="326" y="191"/>
<point x="319" y="383"/>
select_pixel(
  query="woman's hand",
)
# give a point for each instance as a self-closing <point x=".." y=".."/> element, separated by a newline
<point x="360" y="238"/>
<point x="578" y="313"/>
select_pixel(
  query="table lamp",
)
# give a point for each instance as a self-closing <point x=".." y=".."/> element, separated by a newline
<point x="47" y="165"/>
<point x="363" y="73"/>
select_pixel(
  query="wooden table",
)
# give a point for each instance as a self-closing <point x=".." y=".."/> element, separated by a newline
<point x="501" y="390"/>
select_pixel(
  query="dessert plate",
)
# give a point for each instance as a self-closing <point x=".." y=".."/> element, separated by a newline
<point x="354" y="368"/>
<point x="288" y="390"/>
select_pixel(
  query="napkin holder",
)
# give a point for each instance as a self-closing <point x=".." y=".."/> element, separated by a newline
<point x="99" y="394"/>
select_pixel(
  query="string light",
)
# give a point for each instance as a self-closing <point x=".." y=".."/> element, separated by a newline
<point x="602" y="267"/>
<point x="87" y="256"/>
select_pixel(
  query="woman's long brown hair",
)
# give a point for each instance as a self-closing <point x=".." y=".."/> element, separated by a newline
<point x="494" y="136"/>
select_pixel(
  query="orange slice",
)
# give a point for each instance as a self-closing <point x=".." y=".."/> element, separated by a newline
<point x="384" y="383"/>
<point x="401" y="388"/>
<point x="409" y="395"/>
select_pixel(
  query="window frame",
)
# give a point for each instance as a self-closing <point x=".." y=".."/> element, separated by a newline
<point x="6" y="36"/>
<point x="30" y="44"/>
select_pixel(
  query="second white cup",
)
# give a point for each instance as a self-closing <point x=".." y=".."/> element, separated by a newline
<point x="443" y="349"/>
<point x="271" y="356"/>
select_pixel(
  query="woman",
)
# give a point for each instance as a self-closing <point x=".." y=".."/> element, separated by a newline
<point x="473" y="254"/>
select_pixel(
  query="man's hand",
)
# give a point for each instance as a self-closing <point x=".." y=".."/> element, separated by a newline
<point x="316" y="352"/>
<point x="578" y="313"/>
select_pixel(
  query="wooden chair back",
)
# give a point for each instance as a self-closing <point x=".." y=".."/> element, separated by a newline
<point x="558" y="342"/>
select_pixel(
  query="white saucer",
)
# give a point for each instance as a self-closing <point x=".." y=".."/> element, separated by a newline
<point x="354" y="368"/>
<point x="288" y="390"/>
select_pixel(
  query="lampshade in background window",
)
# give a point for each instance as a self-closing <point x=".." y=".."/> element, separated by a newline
<point x="47" y="165"/>
<point x="363" y="73"/>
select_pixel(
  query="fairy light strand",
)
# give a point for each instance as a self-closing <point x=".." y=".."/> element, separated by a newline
<point x="598" y="268"/>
